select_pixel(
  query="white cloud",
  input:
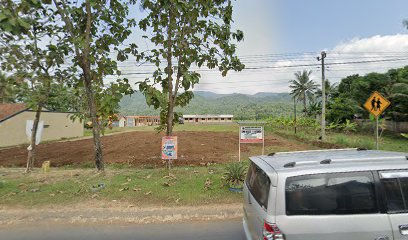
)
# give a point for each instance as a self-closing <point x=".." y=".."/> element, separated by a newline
<point x="388" y="43"/>
<point x="357" y="56"/>
<point x="274" y="71"/>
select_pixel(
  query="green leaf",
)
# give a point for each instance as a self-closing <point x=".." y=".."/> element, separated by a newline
<point x="2" y="16"/>
<point x="24" y="24"/>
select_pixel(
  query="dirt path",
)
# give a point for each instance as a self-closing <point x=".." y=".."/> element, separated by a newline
<point x="143" y="148"/>
<point x="106" y="212"/>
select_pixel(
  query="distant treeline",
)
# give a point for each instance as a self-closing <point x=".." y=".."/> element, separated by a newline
<point x="242" y="106"/>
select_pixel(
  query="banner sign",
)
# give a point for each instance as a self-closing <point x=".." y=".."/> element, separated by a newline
<point x="29" y="128"/>
<point x="169" y="147"/>
<point x="252" y="134"/>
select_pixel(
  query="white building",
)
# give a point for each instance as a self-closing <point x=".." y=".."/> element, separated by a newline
<point x="208" y="118"/>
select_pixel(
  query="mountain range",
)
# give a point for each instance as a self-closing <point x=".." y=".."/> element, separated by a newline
<point x="243" y="106"/>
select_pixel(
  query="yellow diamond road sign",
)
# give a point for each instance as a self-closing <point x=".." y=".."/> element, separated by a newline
<point x="376" y="104"/>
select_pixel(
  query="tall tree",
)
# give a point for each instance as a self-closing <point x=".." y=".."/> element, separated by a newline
<point x="95" y="28"/>
<point x="393" y="85"/>
<point x="187" y="35"/>
<point x="330" y="89"/>
<point x="34" y="53"/>
<point x="8" y="88"/>
<point x="303" y="87"/>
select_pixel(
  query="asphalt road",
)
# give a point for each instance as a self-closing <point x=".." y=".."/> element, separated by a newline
<point x="217" y="230"/>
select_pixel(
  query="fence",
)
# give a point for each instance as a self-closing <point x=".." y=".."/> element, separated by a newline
<point x="397" y="127"/>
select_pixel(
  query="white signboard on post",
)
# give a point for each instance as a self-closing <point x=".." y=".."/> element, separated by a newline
<point x="29" y="127"/>
<point x="252" y="134"/>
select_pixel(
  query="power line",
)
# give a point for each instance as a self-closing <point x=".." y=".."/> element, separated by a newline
<point x="368" y="61"/>
<point x="290" y="66"/>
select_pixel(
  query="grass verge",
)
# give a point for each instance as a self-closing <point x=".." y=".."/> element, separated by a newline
<point x="182" y="186"/>
<point x="354" y="140"/>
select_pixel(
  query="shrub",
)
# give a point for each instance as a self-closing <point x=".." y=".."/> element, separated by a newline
<point x="349" y="126"/>
<point x="235" y="174"/>
<point x="333" y="126"/>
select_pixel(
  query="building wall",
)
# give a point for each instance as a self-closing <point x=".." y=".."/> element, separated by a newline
<point x="122" y="122"/>
<point x="130" y="122"/>
<point x="115" y="124"/>
<point x="136" y="121"/>
<point x="56" y="126"/>
<point x="204" y="119"/>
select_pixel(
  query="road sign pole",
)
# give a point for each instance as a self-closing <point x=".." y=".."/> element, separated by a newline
<point x="263" y="141"/>
<point x="376" y="104"/>
<point x="239" y="144"/>
<point x="376" y="132"/>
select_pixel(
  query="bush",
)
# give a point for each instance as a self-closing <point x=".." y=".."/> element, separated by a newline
<point x="286" y="123"/>
<point x="349" y="126"/>
<point x="235" y="174"/>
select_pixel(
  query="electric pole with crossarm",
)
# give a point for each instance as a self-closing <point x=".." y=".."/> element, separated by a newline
<point x="323" y="123"/>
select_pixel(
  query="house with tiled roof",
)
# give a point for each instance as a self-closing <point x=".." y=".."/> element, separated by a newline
<point x="14" y="118"/>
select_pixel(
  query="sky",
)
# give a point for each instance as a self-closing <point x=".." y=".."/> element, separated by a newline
<point x="285" y="36"/>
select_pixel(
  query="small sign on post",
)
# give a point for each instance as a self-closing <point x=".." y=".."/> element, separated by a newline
<point x="251" y="134"/>
<point x="376" y="104"/>
<point x="169" y="148"/>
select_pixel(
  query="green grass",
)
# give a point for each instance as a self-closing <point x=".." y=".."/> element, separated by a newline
<point x="355" y="140"/>
<point x="184" y="186"/>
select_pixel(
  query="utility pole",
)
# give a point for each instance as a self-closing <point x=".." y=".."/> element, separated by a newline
<point x="323" y="123"/>
<point x="294" y="109"/>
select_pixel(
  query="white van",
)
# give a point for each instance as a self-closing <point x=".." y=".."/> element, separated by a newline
<point x="334" y="194"/>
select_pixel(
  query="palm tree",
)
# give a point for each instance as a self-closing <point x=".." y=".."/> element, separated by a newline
<point x="329" y="90"/>
<point x="303" y="88"/>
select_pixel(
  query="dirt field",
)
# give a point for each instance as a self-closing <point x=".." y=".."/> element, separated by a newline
<point x="143" y="148"/>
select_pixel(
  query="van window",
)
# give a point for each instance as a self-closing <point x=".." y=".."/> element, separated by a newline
<point x="335" y="193"/>
<point x="396" y="193"/>
<point x="258" y="184"/>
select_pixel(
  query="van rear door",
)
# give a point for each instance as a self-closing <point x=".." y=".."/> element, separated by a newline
<point x="333" y="206"/>
<point x="256" y="199"/>
<point x="395" y="185"/>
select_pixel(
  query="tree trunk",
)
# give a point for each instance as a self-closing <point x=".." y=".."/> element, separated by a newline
<point x="83" y="58"/>
<point x="31" y="149"/>
<point x="86" y="68"/>
<point x="95" y="122"/>
<point x="170" y="106"/>
<point x="304" y="105"/>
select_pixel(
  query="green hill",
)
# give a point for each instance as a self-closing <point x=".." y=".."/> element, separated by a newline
<point x="242" y="106"/>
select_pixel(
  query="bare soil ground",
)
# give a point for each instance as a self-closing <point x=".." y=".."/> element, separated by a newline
<point x="110" y="212"/>
<point x="143" y="149"/>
